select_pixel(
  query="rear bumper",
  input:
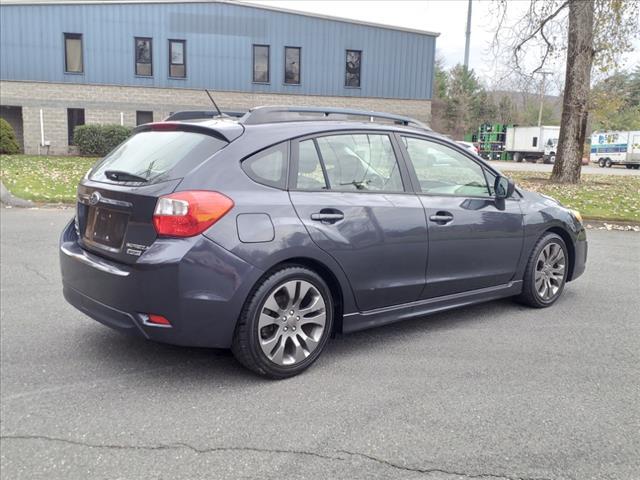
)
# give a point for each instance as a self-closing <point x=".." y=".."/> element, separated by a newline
<point x="196" y="284"/>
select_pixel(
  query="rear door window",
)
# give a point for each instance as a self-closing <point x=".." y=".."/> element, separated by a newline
<point x="310" y="175"/>
<point x="153" y="156"/>
<point x="360" y="162"/>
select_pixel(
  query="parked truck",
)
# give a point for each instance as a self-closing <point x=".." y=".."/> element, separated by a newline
<point x="528" y="143"/>
<point x="616" y="148"/>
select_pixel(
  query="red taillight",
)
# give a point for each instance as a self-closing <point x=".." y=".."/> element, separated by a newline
<point x="185" y="214"/>
<point x="158" y="319"/>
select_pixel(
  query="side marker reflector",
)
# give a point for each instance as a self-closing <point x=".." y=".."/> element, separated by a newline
<point x="156" y="320"/>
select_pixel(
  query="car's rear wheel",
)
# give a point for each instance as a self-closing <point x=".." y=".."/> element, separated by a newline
<point x="546" y="272"/>
<point x="602" y="162"/>
<point x="285" y="323"/>
<point x="608" y="163"/>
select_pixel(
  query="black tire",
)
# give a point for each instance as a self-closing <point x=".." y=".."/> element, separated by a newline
<point x="608" y="163"/>
<point x="629" y="167"/>
<point x="601" y="163"/>
<point x="245" y="345"/>
<point x="636" y="167"/>
<point x="530" y="295"/>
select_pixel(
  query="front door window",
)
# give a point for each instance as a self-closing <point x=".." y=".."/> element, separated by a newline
<point x="444" y="171"/>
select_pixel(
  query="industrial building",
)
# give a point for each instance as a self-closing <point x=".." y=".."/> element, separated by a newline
<point x="65" y="64"/>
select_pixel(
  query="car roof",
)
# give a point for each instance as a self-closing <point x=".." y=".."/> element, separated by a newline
<point x="231" y="128"/>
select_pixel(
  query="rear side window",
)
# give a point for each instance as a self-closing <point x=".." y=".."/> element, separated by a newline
<point x="156" y="156"/>
<point x="268" y="167"/>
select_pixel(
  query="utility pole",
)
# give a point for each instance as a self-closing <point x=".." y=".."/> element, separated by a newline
<point x="468" y="38"/>
<point x="544" y="76"/>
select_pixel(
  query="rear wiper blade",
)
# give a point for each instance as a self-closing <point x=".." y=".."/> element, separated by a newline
<point x="120" y="176"/>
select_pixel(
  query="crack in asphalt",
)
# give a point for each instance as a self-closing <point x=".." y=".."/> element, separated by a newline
<point x="439" y="470"/>
<point x="170" y="446"/>
<point x="187" y="446"/>
<point x="35" y="270"/>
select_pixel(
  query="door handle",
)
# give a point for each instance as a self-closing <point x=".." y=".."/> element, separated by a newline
<point x="328" y="215"/>
<point x="441" y="218"/>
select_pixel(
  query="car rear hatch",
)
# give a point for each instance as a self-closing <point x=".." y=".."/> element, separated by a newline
<point x="118" y="196"/>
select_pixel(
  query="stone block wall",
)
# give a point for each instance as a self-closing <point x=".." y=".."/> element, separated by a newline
<point x="104" y="103"/>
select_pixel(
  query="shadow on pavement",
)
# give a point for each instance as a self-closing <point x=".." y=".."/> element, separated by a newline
<point x="122" y="354"/>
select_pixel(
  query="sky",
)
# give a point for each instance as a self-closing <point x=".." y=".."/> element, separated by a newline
<point x="447" y="17"/>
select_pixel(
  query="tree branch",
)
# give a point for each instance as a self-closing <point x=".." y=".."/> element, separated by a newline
<point x="541" y="26"/>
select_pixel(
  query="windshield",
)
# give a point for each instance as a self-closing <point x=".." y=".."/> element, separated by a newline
<point x="156" y="156"/>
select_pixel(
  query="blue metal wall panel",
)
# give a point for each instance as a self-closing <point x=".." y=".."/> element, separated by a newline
<point x="395" y="63"/>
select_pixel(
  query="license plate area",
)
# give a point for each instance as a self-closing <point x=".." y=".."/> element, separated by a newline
<point x="105" y="228"/>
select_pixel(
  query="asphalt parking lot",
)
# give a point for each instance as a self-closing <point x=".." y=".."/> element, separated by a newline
<point x="492" y="391"/>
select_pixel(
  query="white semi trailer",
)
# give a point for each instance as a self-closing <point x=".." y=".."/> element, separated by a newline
<point x="528" y="143"/>
<point x="616" y="148"/>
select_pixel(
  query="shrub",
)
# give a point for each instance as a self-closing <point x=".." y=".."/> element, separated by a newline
<point x="98" y="140"/>
<point x="8" y="142"/>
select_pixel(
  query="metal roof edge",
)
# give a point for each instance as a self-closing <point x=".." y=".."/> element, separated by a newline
<point x="228" y="2"/>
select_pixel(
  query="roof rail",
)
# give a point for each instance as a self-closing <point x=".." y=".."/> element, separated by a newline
<point x="200" y="114"/>
<point x="260" y="115"/>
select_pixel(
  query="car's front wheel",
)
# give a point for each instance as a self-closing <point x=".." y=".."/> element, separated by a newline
<point x="546" y="272"/>
<point x="285" y="323"/>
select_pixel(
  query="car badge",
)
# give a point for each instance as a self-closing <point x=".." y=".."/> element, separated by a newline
<point x="94" y="199"/>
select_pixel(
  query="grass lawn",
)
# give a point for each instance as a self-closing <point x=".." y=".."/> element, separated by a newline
<point x="598" y="197"/>
<point x="43" y="179"/>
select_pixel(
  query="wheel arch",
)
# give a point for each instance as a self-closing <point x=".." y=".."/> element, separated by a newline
<point x="335" y="287"/>
<point x="571" y="249"/>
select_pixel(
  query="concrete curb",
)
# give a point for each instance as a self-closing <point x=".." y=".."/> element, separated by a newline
<point x="7" y="198"/>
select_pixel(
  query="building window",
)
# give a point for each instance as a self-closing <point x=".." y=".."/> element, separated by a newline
<point x="75" y="118"/>
<point x="73" y="53"/>
<point x="177" y="58"/>
<point x="292" y="65"/>
<point x="144" y="55"/>
<point x="143" y="117"/>
<point x="261" y="63"/>
<point x="352" y="70"/>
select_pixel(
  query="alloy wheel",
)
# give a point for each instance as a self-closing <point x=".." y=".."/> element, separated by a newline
<point x="550" y="269"/>
<point x="292" y="322"/>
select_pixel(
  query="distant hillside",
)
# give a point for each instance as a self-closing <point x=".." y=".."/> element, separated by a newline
<point x="527" y="102"/>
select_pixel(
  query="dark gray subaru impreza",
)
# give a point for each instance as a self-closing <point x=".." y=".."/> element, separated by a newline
<point x="271" y="232"/>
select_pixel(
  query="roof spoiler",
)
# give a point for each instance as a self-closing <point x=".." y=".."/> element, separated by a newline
<point x="201" y="115"/>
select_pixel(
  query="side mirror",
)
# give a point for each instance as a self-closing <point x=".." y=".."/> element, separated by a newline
<point x="503" y="187"/>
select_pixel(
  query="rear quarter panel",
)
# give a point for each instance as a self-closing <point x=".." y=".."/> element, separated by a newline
<point x="282" y="239"/>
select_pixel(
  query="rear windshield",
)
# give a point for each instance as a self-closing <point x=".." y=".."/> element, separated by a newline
<point x="156" y="156"/>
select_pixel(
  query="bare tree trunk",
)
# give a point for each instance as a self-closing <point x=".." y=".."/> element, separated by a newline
<point x="576" y="94"/>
